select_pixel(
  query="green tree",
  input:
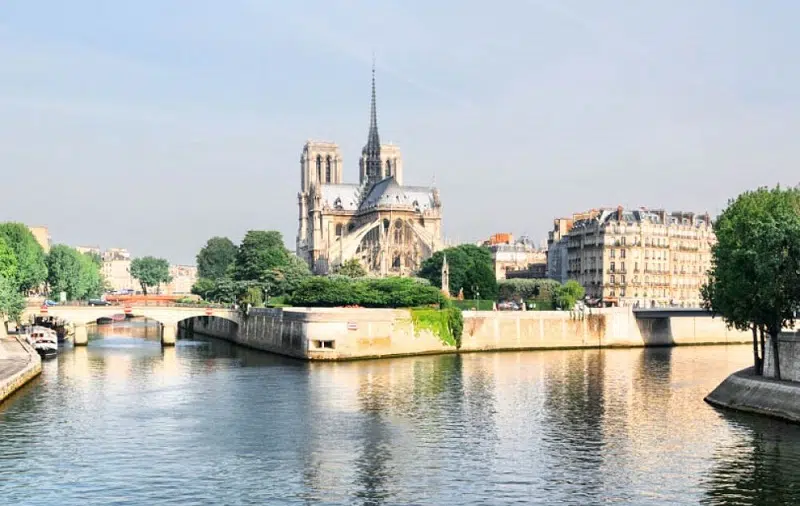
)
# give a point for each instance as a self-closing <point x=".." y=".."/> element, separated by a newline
<point x="12" y="302"/>
<point x="754" y="282"/>
<point x="470" y="268"/>
<point x="352" y="269"/>
<point x="204" y="287"/>
<point x="31" y="267"/>
<point x="216" y="258"/>
<point x="566" y="295"/>
<point x="150" y="271"/>
<point x="259" y="252"/>
<point x="8" y="262"/>
<point x="76" y="274"/>
<point x="92" y="280"/>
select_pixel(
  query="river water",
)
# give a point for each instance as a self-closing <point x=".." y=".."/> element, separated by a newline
<point x="124" y="422"/>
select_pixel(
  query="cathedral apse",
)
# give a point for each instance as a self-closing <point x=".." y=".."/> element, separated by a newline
<point x="390" y="228"/>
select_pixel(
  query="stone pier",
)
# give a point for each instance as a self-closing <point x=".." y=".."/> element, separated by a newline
<point x="80" y="337"/>
<point x="169" y="333"/>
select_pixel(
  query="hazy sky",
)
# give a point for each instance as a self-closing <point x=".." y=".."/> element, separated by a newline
<point x="156" y="124"/>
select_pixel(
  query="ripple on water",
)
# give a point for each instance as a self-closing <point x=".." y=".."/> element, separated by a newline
<point x="123" y="422"/>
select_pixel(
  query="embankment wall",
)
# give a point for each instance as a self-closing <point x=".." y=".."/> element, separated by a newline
<point x="346" y="333"/>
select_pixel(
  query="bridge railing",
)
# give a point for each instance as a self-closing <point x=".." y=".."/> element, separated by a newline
<point x="138" y="303"/>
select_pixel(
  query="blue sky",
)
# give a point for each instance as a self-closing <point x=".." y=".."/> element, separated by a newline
<point x="154" y="125"/>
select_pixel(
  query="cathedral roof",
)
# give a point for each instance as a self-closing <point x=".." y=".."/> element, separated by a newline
<point x="388" y="193"/>
<point x="343" y="197"/>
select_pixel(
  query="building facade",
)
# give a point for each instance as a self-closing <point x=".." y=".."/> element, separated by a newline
<point x="641" y="258"/>
<point x="42" y="236"/>
<point x="183" y="278"/>
<point x="520" y="259"/>
<point x="388" y="227"/>
<point x="116" y="268"/>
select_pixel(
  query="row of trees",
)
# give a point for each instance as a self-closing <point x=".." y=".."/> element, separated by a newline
<point x="260" y="266"/>
<point x="22" y="267"/>
<point x="754" y="282"/>
<point x="547" y="293"/>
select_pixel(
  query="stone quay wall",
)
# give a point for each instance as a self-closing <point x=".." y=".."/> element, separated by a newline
<point x="789" y="352"/>
<point x="346" y="333"/>
<point x="18" y="369"/>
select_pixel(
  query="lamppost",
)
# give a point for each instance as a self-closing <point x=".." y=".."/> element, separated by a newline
<point x="477" y="292"/>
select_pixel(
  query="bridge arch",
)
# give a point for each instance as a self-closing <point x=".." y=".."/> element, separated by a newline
<point x="169" y="317"/>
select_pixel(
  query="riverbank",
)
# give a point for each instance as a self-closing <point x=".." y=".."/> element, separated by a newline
<point x="19" y="363"/>
<point x="746" y="391"/>
<point x="357" y="333"/>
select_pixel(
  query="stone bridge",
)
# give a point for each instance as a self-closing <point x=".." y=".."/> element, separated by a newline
<point x="167" y="316"/>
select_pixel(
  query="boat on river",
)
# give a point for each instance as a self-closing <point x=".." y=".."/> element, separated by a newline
<point x="44" y="341"/>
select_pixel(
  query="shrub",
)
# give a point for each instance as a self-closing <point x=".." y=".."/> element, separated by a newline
<point x="367" y="292"/>
<point x="447" y="324"/>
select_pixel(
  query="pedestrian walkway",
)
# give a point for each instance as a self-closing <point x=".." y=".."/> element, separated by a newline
<point x="17" y="365"/>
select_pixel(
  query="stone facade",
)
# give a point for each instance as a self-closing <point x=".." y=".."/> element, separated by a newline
<point x="643" y="258"/>
<point x="389" y="227"/>
<point x="512" y="258"/>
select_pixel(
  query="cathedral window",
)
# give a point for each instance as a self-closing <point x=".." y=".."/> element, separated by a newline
<point x="319" y="168"/>
<point x="339" y="230"/>
<point x="328" y="169"/>
<point x="388" y="168"/>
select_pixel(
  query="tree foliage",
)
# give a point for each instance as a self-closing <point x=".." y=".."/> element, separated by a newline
<point x="352" y="269"/>
<point x="31" y="267"/>
<point x="74" y="273"/>
<point x="526" y="289"/>
<point x="754" y="282"/>
<point x="216" y="258"/>
<point x="566" y="295"/>
<point x="8" y="262"/>
<point x="150" y="272"/>
<point x="12" y="302"/>
<point x="470" y="268"/>
<point x="367" y="292"/>
<point x="259" y="253"/>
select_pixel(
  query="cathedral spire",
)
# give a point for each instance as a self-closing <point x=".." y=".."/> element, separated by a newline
<point x="372" y="151"/>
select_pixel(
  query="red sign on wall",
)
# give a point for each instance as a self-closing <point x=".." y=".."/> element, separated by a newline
<point x="43" y="309"/>
<point x="209" y="311"/>
<point x="128" y="310"/>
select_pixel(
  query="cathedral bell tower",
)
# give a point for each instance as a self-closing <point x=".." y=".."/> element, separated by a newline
<point x="371" y="165"/>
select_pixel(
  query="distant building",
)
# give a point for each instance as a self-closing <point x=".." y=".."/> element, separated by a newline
<point x="42" y="236"/>
<point x="116" y="268"/>
<point x="521" y="257"/>
<point x="183" y="278"/>
<point x="639" y="257"/>
<point x="557" y="244"/>
<point x="88" y="250"/>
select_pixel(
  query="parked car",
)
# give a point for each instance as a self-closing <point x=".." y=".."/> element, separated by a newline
<point x="51" y="303"/>
<point x="99" y="302"/>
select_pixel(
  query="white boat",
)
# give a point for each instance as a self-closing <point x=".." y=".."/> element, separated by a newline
<point x="44" y="341"/>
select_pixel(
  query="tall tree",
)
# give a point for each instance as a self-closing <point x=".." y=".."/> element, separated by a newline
<point x="32" y="270"/>
<point x="260" y="252"/>
<point x="12" y="302"/>
<point x="8" y="262"/>
<point x="755" y="271"/>
<point x="470" y="270"/>
<point x="74" y="273"/>
<point x="216" y="257"/>
<point x="150" y="272"/>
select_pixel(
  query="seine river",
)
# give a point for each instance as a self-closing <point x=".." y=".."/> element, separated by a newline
<point x="123" y="422"/>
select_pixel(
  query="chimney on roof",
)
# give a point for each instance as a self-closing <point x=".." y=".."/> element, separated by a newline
<point x="619" y="213"/>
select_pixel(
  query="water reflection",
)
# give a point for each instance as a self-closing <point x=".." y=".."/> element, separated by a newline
<point x="209" y="422"/>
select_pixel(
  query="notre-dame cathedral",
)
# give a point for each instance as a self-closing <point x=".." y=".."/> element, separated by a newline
<point x="390" y="228"/>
